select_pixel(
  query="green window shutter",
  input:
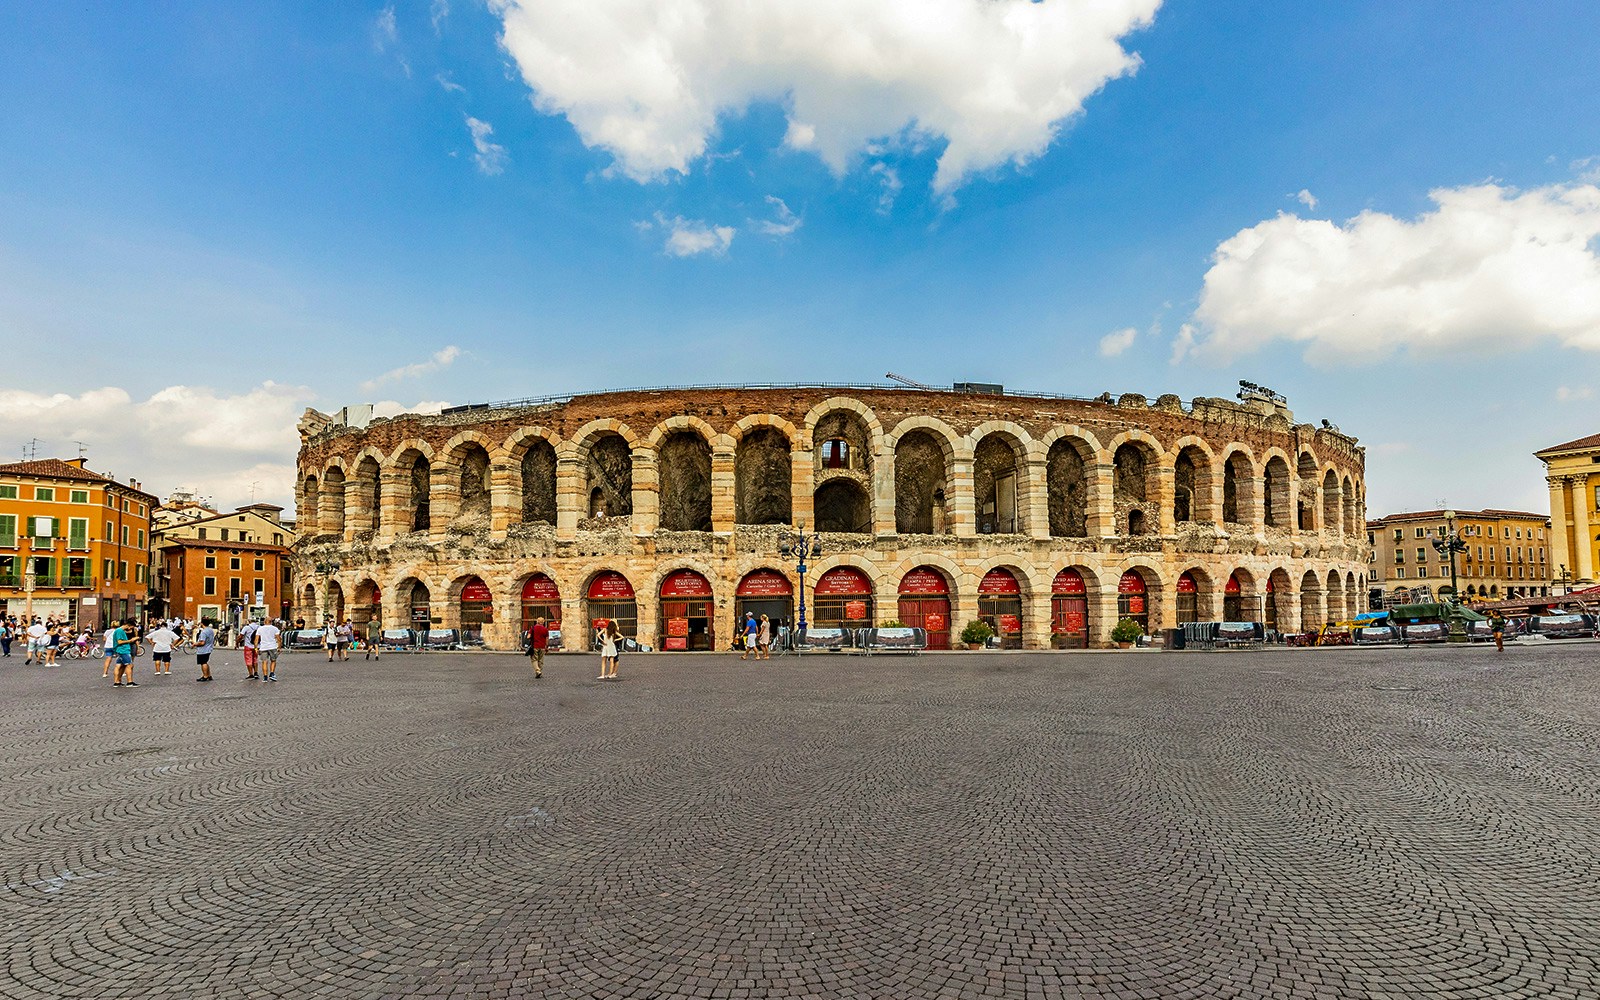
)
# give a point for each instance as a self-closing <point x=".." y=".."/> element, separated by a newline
<point x="55" y="527"/>
<point x="8" y="529"/>
<point x="79" y="533"/>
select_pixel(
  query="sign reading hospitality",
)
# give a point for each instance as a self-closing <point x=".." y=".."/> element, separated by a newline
<point x="685" y="583"/>
<point x="541" y="588"/>
<point x="764" y="583"/>
<point x="476" y="591"/>
<point x="1068" y="581"/>
<point x="610" y="586"/>
<point x="998" y="581"/>
<point x="843" y="580"/>
<point x="923" y="581"/>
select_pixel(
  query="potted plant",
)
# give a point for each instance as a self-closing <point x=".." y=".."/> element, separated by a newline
<point x="892" y="623"/>
<point x="976" y="633"/>
<point x="1125" y="633"/>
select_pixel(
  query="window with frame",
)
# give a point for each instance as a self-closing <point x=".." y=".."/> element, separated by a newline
<point x="1400" y="573"/>
<point x="44" y="493"/>
<point x="210" y="588"/>
<point x="1399" y="534"/>
<point x="124" y="534"/>
<point x="78" y="533"/>
<point x="201" y="533"/>
<point x="224" y="534"/>
<point x="122" y="570"/>
<point x="1422" y="554"/>
<point x="1422" y="532"/>
<point x="8" y="530"/>
<point x="1399" y="557"/>
<point x="260" y="586"/>
<point x="43" y="528"/>
<point x="140" y="535"/>
<point x="8" y="492"/>
<point x="78" y="496"/>
<point x="211" y="562"/>
<point x="233" y="588"/>
<point x="261" y="564"/>
<point x="233" y="563"/>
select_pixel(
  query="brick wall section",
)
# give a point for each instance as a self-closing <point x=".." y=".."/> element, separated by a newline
<point x="1315" y="572"/>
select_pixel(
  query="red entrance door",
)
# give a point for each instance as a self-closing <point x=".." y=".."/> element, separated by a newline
<point x="1069" y="611"/>
<point x="925" y="604"/>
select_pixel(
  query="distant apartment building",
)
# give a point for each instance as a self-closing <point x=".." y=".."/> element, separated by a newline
<point x="227" y="568"/>
<point x="1572" y="471"/>
<point x="1507" y="553"/>
<point x="74" y="544"/>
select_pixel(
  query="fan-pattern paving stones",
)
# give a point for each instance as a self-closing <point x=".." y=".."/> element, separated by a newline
<point x="1293" y="824"/>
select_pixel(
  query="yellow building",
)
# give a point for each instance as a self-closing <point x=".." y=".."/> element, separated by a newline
<point x="1573" y="472"/>
<point x="1506" y="555"/>
<point x="73" y="544"/>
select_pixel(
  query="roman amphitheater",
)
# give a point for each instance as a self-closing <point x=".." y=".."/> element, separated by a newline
<point x="1049" y="517"/>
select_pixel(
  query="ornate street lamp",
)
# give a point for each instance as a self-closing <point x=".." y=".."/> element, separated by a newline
<point x="798" y="545"/>
<point x="1447" y="543"/>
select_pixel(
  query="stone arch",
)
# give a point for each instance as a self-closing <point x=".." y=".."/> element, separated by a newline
<point x="1067" y="461"/>
<point x="416" y="490"/>
<point x="308" y="511"/>
<point x="1335" y="596"/>
<point x="1028" y="449"/>
<point x="1134" y="490"/>
<point x="410" y="592"/>
<point x="1276" y="504"/>
<point x="364" y="491"/>
<point x="1312" y="613"/>
<point x="924" y="450"/>
<point x="536" y="475"/>
<point x="1276" y="600"/>
<point x="1156" y="590"/>
<point x="1332" y="503"/>
<point x="586" y="437"/>
<point x="470" y="462"/>
<point x="842" y="504"/>
<point x="682" y="422"/>
<point x="757" y="421"/>
<point x="954" y="574"/>
<point x="407" y="449"/>
<point x="1194" y="471"/>
<point x="1352" y="595"/>
<point x="815" y="428"/>
<point x="1308" y="476"/>
<point x="1204" y="607"/>
<point x="684" y="470"/>
<point x="451" y="452"/>
<point x="606" y="472"/>
<point x="330" y="511"/>
<point x="1238" y="486"/>
<point x="763" y="486"/>
<point x="1352" y="524"/>
<point x="1245" y="604"/>
<point x="1000" y="480"/>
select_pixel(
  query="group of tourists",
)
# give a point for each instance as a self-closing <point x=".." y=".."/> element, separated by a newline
<point x="46" y="638"/>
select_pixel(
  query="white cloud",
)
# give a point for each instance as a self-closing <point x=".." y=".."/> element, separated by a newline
<point x="1587" y="169"/>
<point x="783" y="223"/>
<point x="1307" y="199"/>
<point x="384" y="30"/>
<point x="438" y="13"/>
<point x="994" y="79"/>
<point x="1566" y="394"/>
<point x="447" y="84"/>
<point x="1490" y="267"/>
<point x="889" y="190"/>
<point x="690" y="237"/>
<point x="442" y="358"/>
<point x="490" y="157"/>
<point x="180" y="436"/>
<point x="393" y="408"/>
<point x="1117" y="341"/>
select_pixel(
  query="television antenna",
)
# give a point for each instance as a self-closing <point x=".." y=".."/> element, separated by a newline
<point x="255" y="488"/>
<point x="30" y="451"/>
<point x="83" y="448"/>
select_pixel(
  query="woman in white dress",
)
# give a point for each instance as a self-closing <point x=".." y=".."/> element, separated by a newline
<point x="608" y="635"/>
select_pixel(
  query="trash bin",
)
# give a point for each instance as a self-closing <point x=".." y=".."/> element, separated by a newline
<point x="1174" y="637"/>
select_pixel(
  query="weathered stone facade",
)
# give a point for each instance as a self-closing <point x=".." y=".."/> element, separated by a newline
<point x="1197" y="501"/>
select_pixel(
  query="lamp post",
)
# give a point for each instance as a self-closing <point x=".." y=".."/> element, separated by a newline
<point x="798" y="545"/>
<point x="1447" y="544"/>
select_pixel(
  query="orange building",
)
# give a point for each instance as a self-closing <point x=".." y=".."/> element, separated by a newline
<point x="73" y="544"/>
<point x="226" y="568"/>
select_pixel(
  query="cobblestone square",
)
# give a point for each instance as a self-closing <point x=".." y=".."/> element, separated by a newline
<point x="1329" y="824"/>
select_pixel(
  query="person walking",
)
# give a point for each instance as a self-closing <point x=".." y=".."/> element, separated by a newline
<point x="6" y="635"/>
<point x="122" y="640"/>
<point x="247" y="639"/>
<point x="343" y="636"/>
<point x="538" y="641"/>
<point x="161" y="641"/>
<point x="747" y="635"/>
<point x="111" y="651"/>
<point x="1497" y="627"/>
<point x="764" y="639"/>
<point x="374" y="638"/>
<point x="205" y="640"/>
<point x="330" y="638"/>
<point x="266" y="643"/>
<point x="37" y="635"/>
<point x="610" y="650"/>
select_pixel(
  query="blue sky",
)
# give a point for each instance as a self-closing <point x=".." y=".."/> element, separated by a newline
<point x="214" y="216"/>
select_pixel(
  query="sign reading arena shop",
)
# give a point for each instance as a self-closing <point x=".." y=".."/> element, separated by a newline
<point x="764" y="583"/>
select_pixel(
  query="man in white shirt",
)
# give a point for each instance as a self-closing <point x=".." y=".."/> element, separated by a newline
<point x="38" y="639"/>
<point x="266" y="644"/>
<point x="161" y="641"/>
<point x="247" y="641"/>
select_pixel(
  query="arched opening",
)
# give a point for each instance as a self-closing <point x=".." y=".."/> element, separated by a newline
<point x="308" y="604"/>
<point x="842" y="598"/>
<point x="364" y="495"/>
<point x="1000" y="605"/>
<point x="1069" y="611"/>
<point x="763" y="490"/>
<point x="475" y="609"/>
<point x="919" y="484"/>
<point x="842" y="505"/>
<point x="1188" y="599"/>
<point x="997" y="483"/>
<point x="686" y="611"/>
<point x="541" y="598"/>
<point x="1132" y="466"/>
<point x="1352" y="596"/>
<point x="330" y="520"/>
<point x="1335" y="597"/>
<point x="1192" y="487"/>
<point x="473" y="500"/>
<point x="843" y="443"/>
<point x="1311" y="613"/>
<point x="1067" y="487"/>
<point x="925" y="604"/>
<point x="1233" y="601"/>
<point x="609" y="599"/>
<point x="1332" y="503"/>
<point x="685" y="470"/>
<point x="1238" y="489"/>
<point x="1133" y="599"/>
<point x="310" y="511"/>
<point x="538" y="467"/>
<point x="1277" y="507"/>
<point x="419" y="605"/>
<point x="1352" y="524"/>
<point x="608" y="477"/>
<point x="765" y="592"/>
<point x="368" y="607"/>
<point x="1278" y="584"/>
<point x="333" y="602"/>
<point x="418" y="503"/>
<point x="1494" y="590"/>
<point x="1306" y="502"/>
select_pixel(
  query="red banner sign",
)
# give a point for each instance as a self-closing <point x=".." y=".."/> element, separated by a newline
<point x="1068" y="581"/>
<point x="1136" y="605"/>
<point x="1073" y="622"/>
<point x="855" y="610"/>
<point x="843" y="581"/>
<point x="1131" y="583"/>
<point x="1009" y="623"/>
<point x="476" y="592"/>
<point x="1233" y="585"/>
<point x="1186" y="585"/>
<point x="541" y="588"/>
<point x="935" y="622"/>
<point x="610" y="586"/>
<point x="677" y="626"/>
<point x="685" y="583"/>
<point x="999" y="581"/>
<point x="675" y="642"/>
<point x="764" y="583"/>
<point x="923" y="581"/>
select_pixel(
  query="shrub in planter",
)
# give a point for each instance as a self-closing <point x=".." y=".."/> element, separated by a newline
<point x="892" y="623"/>
<point x="976" y="633"/>
<point x="1126" y="631"/>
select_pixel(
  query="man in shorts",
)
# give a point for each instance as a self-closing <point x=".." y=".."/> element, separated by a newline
<point x="111" y="652"/>
<point x="205" y="640"/>
<point x="38" y="640"/>
<point x="374" y="637"/>
<point x="247" y="641"/>
<point x="538" y="640"/>
<point x="343" y="635"/>
<point x="161" y="641"/>
<point x="122" y="640"/>
<point x="266" y="644"/>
